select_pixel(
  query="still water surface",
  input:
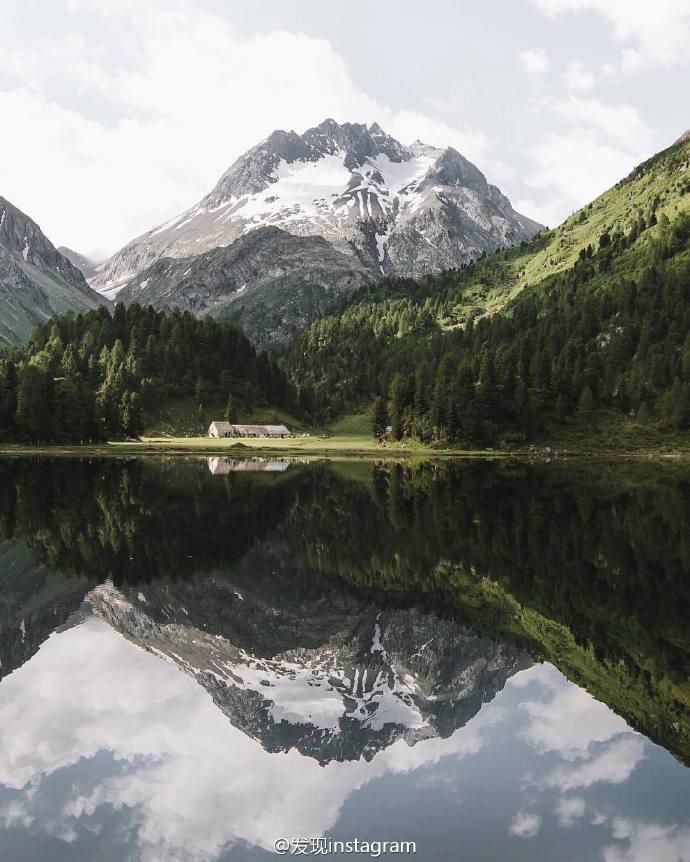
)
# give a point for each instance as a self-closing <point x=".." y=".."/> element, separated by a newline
<point x="201" y="658"/>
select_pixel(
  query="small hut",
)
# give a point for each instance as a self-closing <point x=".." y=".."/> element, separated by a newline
<point x="227" y="429"/>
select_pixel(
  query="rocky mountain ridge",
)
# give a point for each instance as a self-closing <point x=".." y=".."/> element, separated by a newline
<point x="36" y="280"/>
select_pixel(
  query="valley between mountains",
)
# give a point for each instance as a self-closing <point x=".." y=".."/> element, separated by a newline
<point x="339" y="273"/>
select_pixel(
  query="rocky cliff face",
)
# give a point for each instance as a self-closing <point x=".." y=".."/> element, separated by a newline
<point x="366" y="680"/>
<point x="385" y="208"/>
<point x="36" y="281"/>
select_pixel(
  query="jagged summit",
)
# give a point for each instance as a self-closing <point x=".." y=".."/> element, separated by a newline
<point x="352" y="143"/>
<point x="389" y="208"/>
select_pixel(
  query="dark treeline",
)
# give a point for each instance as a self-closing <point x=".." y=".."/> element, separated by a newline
<point x="93" y="376"/>
<point x="583" y="549"/>
<point x="68" y="525"/>
<point x="611" y="332"/>
<point x="136" y="521"/>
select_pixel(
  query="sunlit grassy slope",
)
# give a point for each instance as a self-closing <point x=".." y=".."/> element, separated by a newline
<point x="661" y="183"/>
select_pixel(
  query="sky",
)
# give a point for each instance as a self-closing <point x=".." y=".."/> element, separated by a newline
<point x="116" y="115"/>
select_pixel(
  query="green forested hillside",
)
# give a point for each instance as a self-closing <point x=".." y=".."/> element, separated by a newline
<point x="94" y="376"/>
<point x="593" y="314"/>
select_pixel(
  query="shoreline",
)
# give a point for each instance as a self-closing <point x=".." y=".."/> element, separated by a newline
<point x="338" y="449"/>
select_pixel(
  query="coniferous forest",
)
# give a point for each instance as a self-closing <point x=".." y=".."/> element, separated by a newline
<point x="611" y="331"/>
<point x="92" y="376"/>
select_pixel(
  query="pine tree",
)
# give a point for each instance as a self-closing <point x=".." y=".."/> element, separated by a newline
<point x="32" y="403"/>
<point x="201" y="391"/>
<point x="72" y="413"/>
<point x="585" y="404"/>
<point x="8" y="398"/>
<point x="379" y="417"/>
<point x="131" y="420"/>
<point x="398" y="403"/>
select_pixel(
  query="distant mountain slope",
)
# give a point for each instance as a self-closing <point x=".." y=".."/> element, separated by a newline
<point x="388" y="209"/>
<point x="272" y="281"/>
<point x="85" y="265"/>
<point x="36" y="281"/>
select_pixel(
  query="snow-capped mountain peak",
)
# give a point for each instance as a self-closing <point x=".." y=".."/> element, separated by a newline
<point x="388" y="208"/>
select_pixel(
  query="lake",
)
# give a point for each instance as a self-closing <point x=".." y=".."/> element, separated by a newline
<point x="213" y="659"/>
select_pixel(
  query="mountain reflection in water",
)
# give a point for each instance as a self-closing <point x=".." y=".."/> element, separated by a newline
<point x="471" y="656"/>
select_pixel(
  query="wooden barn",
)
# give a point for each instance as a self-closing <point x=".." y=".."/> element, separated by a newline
<point x="226" y="429"/>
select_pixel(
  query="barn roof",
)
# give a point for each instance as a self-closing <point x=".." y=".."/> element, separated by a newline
<point x="250" y="429"/>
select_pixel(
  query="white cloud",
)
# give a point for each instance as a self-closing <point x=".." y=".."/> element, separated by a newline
<point x="185" y="96"/>
<point x="550" y="211"/>
<point x="568" y="722"/>
<point x="650" y="841"/>
<point x="535" y="61"/>
<point x="600" y="144"/>
<point x="574" y="168"/>
<point x="578" y="77"/>
<point x="525" y="825"/>
<point x="658" y="32"/>
<point x="619" y="123"/>
<point x="569" y="809"/>
<point x="614" y="765"/>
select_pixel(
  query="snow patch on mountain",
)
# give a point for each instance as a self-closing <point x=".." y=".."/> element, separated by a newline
<point x="347" y="183"/>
